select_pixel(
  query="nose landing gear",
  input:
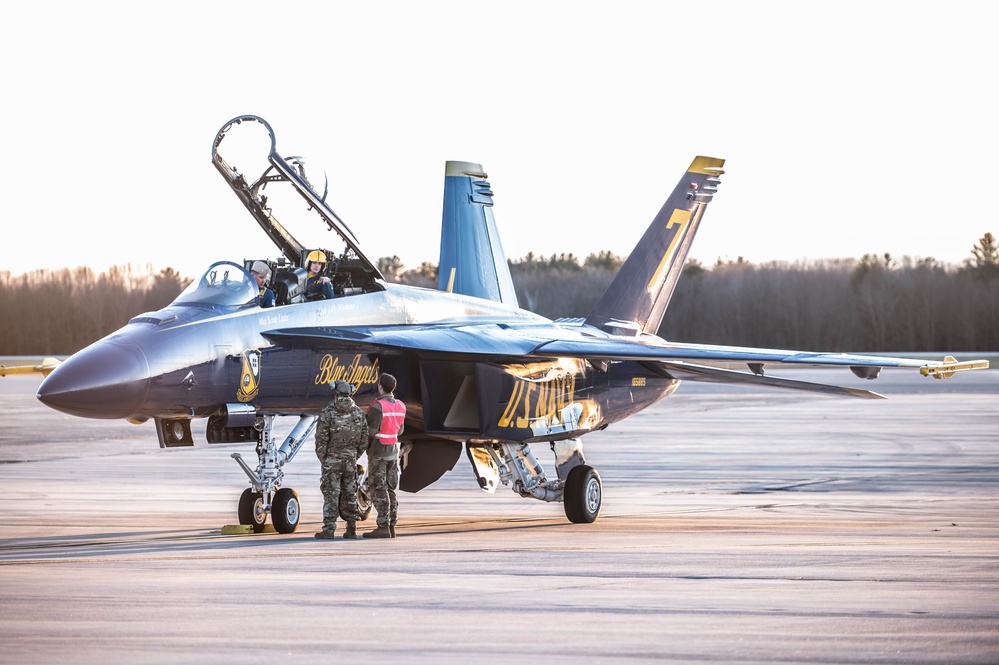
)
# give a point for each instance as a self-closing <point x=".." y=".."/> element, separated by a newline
<point x="265" y="496"/>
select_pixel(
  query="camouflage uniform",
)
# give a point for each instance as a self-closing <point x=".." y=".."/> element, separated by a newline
<point x="341" y="437"/>
<point x="384" y="474"/>
<point x="383" y="467"/>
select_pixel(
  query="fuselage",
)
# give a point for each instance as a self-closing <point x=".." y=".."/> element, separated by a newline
<point x="214" y="346"/>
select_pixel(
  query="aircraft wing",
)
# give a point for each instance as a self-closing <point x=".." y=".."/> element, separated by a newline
<point x="864" y="366"/>
<point x="692" y="362"/>
<point x="676" y="359"/>
<point x="483" y="342"/>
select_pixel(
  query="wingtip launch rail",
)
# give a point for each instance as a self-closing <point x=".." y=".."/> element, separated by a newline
<point x="44" y="368"/>
<point x="950" y="366"/>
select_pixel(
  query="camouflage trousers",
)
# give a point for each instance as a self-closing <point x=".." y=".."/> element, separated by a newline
<point x="384" y="479"/>
<point x="338" y="482"/>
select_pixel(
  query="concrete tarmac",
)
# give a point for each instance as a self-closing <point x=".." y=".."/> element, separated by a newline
<point x="738" y="526"/>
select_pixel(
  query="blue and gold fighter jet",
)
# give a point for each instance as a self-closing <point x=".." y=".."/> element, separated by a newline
<point x="475" y="370"/>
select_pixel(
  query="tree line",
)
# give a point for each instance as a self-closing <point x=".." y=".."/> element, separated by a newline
<point x="58" y="312"/>
<point x="873" y="304"/>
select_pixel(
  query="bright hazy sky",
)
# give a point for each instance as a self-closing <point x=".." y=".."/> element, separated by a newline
<point x="848" y="127"/>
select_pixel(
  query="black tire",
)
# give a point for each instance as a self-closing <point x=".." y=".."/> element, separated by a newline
<point x="363" y="503"/>
<point x="285" y="511"/>
<point x="250" y="509"/>
<point x="582" y="495"/>
<point x="363" y="498"/>
<point x="363" y="506"/>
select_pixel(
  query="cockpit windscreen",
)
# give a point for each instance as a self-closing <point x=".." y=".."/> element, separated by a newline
<point x="224" y="283"/>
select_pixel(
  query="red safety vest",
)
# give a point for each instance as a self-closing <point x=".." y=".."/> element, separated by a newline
<point x="393" y="415"/>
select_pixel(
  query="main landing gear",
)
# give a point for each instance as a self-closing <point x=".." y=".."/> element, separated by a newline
<point x="265" y="494"/>
<point x="578" y="485"/>
<point x="582" y="494"/>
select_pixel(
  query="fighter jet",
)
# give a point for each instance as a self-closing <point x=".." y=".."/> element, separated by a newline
<point x="478" y="373"/>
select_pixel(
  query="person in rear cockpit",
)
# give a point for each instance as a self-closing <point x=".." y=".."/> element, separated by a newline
<point x="260" y="272"/>
<point x="318" y="285"/>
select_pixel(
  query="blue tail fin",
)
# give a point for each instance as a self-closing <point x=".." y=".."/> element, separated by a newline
<point x="472" y="261"/>
<point x="636" y="299"/>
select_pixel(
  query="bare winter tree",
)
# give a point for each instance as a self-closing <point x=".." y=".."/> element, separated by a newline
<point x="875" y="304"/>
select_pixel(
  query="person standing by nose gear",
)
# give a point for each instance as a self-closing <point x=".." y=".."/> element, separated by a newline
<point x="386" y="419"/>
<point x="341" y="437"/>
<point x="317" y="285"/>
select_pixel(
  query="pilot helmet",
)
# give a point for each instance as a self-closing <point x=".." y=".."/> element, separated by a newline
<point x="342" y="387"/>
<point x="317" y="255"/>
<point x="260" y="268"/>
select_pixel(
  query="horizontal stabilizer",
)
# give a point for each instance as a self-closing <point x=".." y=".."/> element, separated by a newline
<point x="688" y="372"/>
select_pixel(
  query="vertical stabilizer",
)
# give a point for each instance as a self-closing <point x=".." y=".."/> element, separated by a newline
<point x="472" y="261"/>
<point x="636" y="300"/>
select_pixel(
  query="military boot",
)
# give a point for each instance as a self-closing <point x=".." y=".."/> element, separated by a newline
<point x="392" y="530"/>
<point x="379" y="532"/>
<point x="325" y="535"/>
<point x="351" y="531"/>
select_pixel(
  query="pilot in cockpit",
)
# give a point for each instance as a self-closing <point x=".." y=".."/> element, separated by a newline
<point x="318" y="286"/>
<point x="261" y="271"/>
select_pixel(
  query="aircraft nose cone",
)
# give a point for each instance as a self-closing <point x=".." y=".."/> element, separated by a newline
<point x="108" y="379"/>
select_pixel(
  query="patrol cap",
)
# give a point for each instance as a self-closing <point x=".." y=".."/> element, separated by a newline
<point x="261" y="268"/>
<point x="341" y="387"/>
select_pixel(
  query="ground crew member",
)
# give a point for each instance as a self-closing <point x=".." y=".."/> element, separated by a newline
<point x="386" y="418"/>
<point x="260" y="272"/>
<point x="317" y="285"/>
<point x="341" y="437"/>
